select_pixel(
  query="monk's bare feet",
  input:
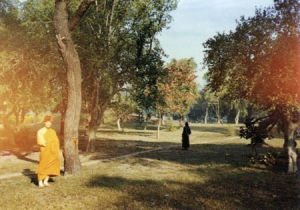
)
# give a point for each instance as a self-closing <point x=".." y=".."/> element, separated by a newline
<point x="46" y="184"/>
<point x="41" y="184"/>
<point x="46" y="181"/>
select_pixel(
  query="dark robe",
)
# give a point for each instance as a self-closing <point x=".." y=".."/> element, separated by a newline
<point x="185" y="137"/>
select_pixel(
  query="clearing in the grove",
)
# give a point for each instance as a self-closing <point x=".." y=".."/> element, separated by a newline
<point x="133" y="170"/>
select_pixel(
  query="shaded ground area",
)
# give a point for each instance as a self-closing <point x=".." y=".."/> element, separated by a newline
<point x="209" y="176"/>
<point x="214" y="174"/>
<point x="109" y="148"/>
<point x="111" y="143"/>
<point x="16" y="160"/>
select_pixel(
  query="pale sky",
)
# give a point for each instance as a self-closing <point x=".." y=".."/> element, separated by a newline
<point x="194" y="21"/>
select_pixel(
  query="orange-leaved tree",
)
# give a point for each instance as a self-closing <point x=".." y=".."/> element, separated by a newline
<point x="178" y="88"/>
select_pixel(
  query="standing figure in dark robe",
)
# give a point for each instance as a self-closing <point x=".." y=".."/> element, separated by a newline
<point x="185" y="136"/>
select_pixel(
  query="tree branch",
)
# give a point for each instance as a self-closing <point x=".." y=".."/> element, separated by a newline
<point x="85" y="4"/>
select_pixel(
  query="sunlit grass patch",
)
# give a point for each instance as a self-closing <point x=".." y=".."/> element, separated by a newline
<point x="209" y="176"/>
<point x="213" y="174"/>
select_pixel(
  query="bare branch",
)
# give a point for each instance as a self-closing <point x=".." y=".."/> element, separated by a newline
<point x="85" y="4"/>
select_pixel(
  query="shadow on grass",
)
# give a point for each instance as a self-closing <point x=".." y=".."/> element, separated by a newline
<point x="229" y="183"/>
<point x="152" y="194"/>
<point x="235" y="155"/>
<point x="33" y="176"/>
<point x="232" y="154"/>
<point x="21" y="156"/>
<point x="108" y="148"/>
<point x="224" y="190"/>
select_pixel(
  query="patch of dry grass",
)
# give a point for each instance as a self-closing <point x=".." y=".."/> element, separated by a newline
<point x="209" y="176"/>
<point x="214" y="174"/>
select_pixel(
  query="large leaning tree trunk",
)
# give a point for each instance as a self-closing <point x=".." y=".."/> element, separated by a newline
<point x="63" y="26"/>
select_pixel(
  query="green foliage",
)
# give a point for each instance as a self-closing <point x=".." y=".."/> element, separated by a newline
<point x="116" y="43"/>
<point x="150" y="18"/>
<point x="27" y="61"/>
<point x="258" y="61"/>
<point x="123" y="106"/>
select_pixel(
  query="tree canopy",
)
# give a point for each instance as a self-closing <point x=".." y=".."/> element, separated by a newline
<point x="28" y="69"/>
<point x="258" y="61"/>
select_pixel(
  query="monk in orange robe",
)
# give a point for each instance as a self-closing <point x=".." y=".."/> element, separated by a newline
<point x="49" y="164"/>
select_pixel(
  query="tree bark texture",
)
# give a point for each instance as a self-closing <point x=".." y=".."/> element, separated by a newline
<point x="96" y="118"/>
<point x="289" y="131"/>
<point x="92" y="135"/>
<point x="62" y="122"/>
<point x="71" y="59"/>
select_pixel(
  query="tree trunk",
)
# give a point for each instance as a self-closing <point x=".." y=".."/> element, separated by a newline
<point x="95" y="121"/>
<point x="71" y="59"/>
<point x="92" y="135"/>
<point x="145" y="124"/>
<point x="62" y="110"/>
<point x="111" y="21"/>
<point x="119" y="124"/>
<point x="290" y="145"/>
<point x="237" y="117"/>
<point x="147" y="118"/>
<point x="92" y="130"/>
<point x="218" y="112"/>
<point x="96" y="113"/>
<point x="158" y="125"/>
<point x="206" y="115"/>
<point x="163" y="119"/>
<point x="62" y="122"/>
<point x="249" y="112"/>
<point x="180" y="120"/>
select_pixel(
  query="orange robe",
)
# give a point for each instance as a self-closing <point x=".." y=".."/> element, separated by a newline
<point x="49" y="164"/>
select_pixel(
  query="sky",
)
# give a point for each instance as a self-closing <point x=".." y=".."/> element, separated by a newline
<point x="195" y="21"/>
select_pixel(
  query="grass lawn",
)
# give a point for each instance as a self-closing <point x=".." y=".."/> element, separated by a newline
<point x="214" y="174"/>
